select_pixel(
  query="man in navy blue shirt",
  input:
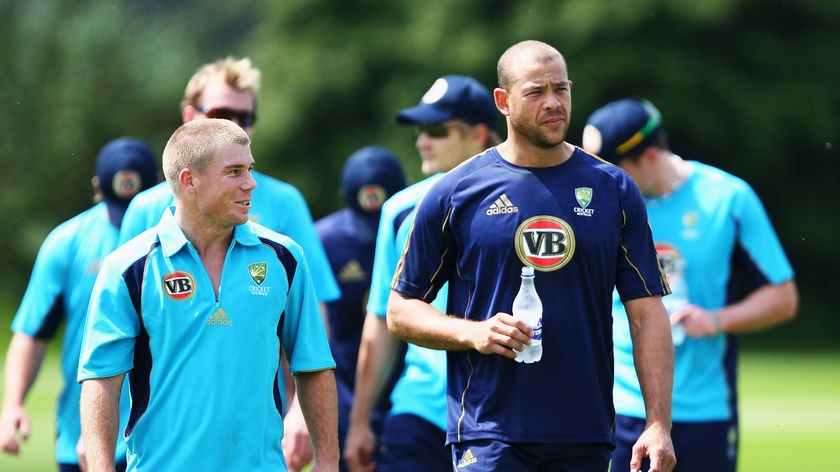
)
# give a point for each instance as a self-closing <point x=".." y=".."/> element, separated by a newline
<point x="535" y="200"/>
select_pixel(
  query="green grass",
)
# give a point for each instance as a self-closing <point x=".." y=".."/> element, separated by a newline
<point x="790" y="410"/>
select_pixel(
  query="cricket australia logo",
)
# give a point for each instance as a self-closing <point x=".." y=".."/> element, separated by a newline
<point x="257" y="272"/>
<point x="583" y="195"/>
<point x="545" y="243"/>
<point x="178" y="285"/>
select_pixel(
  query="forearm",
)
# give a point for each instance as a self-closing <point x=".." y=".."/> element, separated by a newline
<point x="319" y="403"/>
<point x="767" y="306"/>
<point x="377" y="352"/>
<point x="23" y="361"/>
<point x="288" y="382"/>
<point x="420" y="323"/>
<point x="653" y="355"/>
<point x="100" y="417"/>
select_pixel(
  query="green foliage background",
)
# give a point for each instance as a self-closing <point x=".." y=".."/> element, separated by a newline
<point x="748" y="85"/>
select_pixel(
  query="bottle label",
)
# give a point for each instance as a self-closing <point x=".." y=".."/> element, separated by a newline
<point x="537" y="332"/>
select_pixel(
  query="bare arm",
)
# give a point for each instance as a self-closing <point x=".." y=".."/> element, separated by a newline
<point x="100" y="416"/>
<point x="377" y="353"/>
<point x="420" y="323"/>
<point x="653" y="354"/>
<point x="319" y="403"/>
<point x="766" y="306"/>
<point x="23" y="361"/>
<point x="297" y="448"/>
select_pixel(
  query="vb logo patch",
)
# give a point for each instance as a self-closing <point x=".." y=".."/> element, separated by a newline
<point x="257" y="272"/>
<point x="178" y="285"/>
<point x="545" y="243"/>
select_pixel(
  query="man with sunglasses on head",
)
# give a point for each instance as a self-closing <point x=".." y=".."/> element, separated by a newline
<point x="228" y="89"/>
<point x="455" y="119"/>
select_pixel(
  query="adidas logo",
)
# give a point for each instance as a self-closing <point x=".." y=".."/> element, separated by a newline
<point x="467" y="459"/>
<point x="501" y="206"/>
<point x="218" y="318"/>
<point x="352" y="272"/>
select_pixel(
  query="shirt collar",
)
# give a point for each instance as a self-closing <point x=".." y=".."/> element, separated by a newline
<point x="172" y="238"/>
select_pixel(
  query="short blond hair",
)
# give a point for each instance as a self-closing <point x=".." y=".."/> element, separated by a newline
<point x="239" y="74"/>
<point x="194" y="145"/>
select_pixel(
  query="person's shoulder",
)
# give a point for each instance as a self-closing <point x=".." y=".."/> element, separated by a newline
<point x="581" y="157"/>
<point x="134" y="249"/>
<point x="709" y="171"/>
<point x="409" y="196"/>
<point x="334" y="222"/>
<point x="76" y="222"/>
<point x="722" y="181"/>
<point x="488" y="158"/>
<point x="78" y="225"/>
<point x="274" y="184"/>
<point x="154" y="193"/>
<point x="150" y="200"/>
<point x="263" y="234"/>
<point x="606" y="173"/>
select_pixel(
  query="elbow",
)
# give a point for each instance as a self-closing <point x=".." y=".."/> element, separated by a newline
<point x="790" y="311"/>
<point x="789" y="305"/>
<point x="393" y="317"/>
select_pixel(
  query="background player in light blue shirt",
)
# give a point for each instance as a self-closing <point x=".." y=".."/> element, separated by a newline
<point x="455" y="119"/>
<point x="708" y="226"/>
<point x="197" y="311"/>
<point x="228" y="89"/>
<point x="59" y="291"/>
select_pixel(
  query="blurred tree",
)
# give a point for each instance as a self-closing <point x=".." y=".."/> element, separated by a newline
<point x="76" y="75"/>
<point x="743" y="84"/>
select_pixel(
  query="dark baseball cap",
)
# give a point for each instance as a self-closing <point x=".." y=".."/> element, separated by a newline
<point x="370" y="176"/>
<point x="125" y="167"/>
<point x="622" y="127"/>
<point x="453" y="97"/>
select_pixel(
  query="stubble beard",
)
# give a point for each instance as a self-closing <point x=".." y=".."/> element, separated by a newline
<point x="537" y="137"/>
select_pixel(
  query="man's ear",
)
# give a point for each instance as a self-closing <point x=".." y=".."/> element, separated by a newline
<point x="185" y="179"/>
<point x="187" y="114"/>
<point x="500" y="96"/>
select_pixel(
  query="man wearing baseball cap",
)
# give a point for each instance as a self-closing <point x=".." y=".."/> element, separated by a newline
<point x="455" y="119"/>
<point x="59" y="290"/>
<point x="708" y="226"/>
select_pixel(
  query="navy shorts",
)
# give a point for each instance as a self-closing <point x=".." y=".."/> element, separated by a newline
<point x="490" y="455"/>
<point x="412" y="444"/>
<point x="700" y="447"/>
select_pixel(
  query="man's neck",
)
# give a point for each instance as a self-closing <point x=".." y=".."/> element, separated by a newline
<point x="529" y="155"/>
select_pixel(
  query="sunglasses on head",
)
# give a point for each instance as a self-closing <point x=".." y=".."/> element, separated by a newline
<point x="245" y="119"/>
<point x="440" y="130"/>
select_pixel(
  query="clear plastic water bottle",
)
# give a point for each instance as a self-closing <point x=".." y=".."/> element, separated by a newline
<point x="528" y="307"/>
<point x="675" y="271"/>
